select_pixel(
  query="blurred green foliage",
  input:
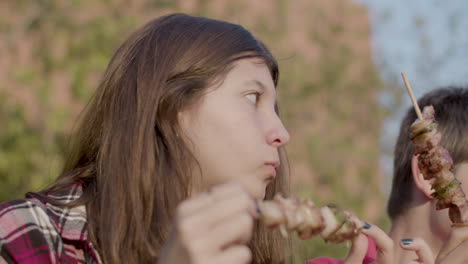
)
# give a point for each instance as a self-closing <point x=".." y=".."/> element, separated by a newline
<point x="328" y="89"/>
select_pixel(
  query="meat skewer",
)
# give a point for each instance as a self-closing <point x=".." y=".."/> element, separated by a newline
<point x="436" y="164"/>
<point x="291" y="214"/>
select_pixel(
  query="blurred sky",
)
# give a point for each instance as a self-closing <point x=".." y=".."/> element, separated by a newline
<point x="426" y="39"/>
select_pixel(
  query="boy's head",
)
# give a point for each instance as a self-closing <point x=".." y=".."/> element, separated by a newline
<point x="451" y="113"/>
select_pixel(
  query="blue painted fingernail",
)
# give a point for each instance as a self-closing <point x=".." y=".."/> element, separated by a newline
<point x="407" y="241"/>
<point x="367" y="225"/>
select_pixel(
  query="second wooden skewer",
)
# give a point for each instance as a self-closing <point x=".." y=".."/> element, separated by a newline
<point x="413" y="99"/>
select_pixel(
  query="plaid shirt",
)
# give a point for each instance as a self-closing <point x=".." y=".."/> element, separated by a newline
<point x="32" y="231"/>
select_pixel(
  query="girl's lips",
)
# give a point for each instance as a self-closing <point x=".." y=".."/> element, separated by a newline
<point x="275" y="164"/>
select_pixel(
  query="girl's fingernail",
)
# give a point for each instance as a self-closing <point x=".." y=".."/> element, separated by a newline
<point x="367" y="225"/>
<point x="406" y="241"/>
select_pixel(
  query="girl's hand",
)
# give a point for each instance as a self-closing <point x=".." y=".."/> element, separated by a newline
<point x="212" y="227"/>
<point x="385" y="246"/>
<point x="420" y="247"/>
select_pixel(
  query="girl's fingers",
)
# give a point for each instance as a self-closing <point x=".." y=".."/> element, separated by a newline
<point x="220" y="211"/>
<point x="358" y="250"/>
<point x="233" y="255"/>
<point x="420" y="247"/>
<point x="193" y="205"/>
<point x="383" y="241"/>
<point x="237" y="230"/>
<point x="214" y="221"/>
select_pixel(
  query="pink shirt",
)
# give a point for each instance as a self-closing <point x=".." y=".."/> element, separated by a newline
<point x="370" y="257"/>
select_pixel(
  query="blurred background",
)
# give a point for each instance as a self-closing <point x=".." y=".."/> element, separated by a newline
<point x="340" y="90"/>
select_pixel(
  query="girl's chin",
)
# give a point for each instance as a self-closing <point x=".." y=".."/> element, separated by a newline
<point x="257" y="190"/>
<point x="260" y="193"/>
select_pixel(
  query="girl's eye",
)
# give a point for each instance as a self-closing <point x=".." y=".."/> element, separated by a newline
<point x="253" y="97"/>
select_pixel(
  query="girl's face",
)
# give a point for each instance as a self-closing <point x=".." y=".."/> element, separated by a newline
<point x="234" y="132"/>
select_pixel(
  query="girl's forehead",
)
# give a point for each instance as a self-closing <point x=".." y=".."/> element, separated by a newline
<point x="253" y="71"/>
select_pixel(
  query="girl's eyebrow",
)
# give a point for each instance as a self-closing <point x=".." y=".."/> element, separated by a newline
<point x="257" y="83"/>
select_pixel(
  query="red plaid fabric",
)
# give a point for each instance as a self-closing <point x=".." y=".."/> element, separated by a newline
<point x="32" y="231"/>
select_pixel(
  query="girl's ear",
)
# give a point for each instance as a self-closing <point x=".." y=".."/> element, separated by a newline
<point x="421" y="184"/>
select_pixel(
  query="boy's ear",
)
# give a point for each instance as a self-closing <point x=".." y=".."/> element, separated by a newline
<point x="424" y="186"/>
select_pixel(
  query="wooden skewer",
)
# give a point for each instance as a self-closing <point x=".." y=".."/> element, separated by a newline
<point x="413" y="99"/>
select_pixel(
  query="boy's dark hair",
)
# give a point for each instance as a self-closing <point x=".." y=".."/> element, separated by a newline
<point x="451" y="113"/>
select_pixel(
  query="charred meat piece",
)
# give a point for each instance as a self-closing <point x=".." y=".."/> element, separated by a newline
<point x="304" y="217"/>
<point x="436" y="164"/>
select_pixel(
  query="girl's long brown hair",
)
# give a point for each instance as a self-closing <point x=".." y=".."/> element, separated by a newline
<point x="126" y="154"/>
